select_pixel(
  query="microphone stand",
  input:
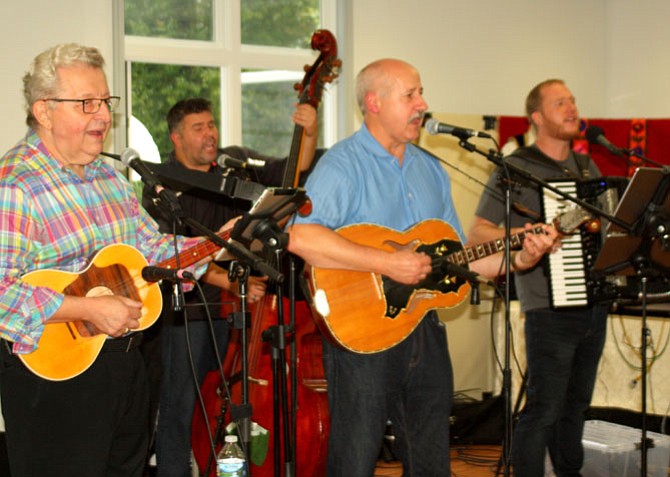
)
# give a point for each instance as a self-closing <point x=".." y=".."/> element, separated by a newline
<point x="276" y="336"/>
<point x="647" y="203"/>
<point x="241" y="414"/>
<point x="275" y="241"/>
<point x="167" y="200"/>
<point x="497" y="158"/>
<point x="507" y="373"/>
<point x="262" y="225"/>
<point x="631" y="152"/>
<point x="647" y="443"/>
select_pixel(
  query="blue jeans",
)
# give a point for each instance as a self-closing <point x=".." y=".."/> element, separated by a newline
<point x="562" y="350"/>
<point x="178" y="390"/>
<point x="411" y="384"/>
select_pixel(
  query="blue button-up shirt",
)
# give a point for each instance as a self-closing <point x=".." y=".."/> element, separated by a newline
<point x="358" y="181"/>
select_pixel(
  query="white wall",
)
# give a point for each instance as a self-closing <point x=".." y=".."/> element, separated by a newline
<point x="482" y="56"/>
<point x="30" y="27"/>
<point x="638" y="63"/>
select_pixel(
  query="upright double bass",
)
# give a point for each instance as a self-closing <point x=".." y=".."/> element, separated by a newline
<point x="309" y="414"/>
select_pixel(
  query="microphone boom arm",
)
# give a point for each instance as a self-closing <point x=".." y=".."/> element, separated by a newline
<point x="497" y="158"/>
<point x="242" y="254"/>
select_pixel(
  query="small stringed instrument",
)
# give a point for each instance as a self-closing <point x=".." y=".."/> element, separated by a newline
<point x="366" y="312"/>
<point x="66" y="350"/>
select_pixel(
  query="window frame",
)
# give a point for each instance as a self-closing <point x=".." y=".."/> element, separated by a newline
<point x="226" y="52"/>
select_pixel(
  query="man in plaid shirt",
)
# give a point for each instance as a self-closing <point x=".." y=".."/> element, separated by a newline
<point x="59" y="204"/>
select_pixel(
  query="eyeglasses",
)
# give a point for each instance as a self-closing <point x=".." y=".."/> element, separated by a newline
<point x="91" y="105"/>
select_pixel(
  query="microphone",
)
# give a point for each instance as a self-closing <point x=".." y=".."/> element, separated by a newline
<point x="596" y="135"/>
<point x="131" y="158"/>
<point x="111" y="155"/>
<point x="464" y="273"/>
<point x="156" y="274"/>
<point x="433" y="126"/>
<point x="226" y="161"/>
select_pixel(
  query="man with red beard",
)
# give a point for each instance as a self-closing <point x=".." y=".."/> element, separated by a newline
<point x="562" y="347"/>
<point x="195" y="137"/>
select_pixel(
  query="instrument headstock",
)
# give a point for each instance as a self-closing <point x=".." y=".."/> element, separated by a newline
<point x="324" y="70"/>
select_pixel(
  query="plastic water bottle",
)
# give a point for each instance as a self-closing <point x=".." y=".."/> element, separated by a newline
<point x="231" y="462"/>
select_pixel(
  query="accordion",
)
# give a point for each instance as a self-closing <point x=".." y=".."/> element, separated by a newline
<point x="570" y="279"/>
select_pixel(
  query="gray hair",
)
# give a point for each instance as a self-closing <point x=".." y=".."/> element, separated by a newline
<point x="41" y="80"/>
<point x="372" y="78"/>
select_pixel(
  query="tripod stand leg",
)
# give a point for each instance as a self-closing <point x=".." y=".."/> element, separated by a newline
<point x="515" y="414"/>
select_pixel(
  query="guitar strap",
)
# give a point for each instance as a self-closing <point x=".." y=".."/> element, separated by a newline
<point x="531" y="153"/>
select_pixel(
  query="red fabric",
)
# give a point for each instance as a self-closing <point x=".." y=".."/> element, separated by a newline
<point x="637" y="143"/>
<point x="624" y="133"/>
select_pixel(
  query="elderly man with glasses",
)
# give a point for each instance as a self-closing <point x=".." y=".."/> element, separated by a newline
<point x="60" y="204"/>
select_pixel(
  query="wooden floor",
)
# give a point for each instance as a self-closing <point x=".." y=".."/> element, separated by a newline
<point x="471" y="461"/>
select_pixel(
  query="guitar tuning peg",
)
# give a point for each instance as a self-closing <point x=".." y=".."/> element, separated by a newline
<point x="306" y="68"/>
<point x="297" y="86"/>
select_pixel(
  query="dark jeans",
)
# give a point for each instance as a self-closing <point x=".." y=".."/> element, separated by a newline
<point x="411" y="384"/>
<point x="92" y="425"/>
<point x="562" y="350"/>
<point x="178" y="390"/>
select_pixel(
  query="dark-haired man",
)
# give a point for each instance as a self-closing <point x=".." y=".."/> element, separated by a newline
<point x="195" y="137"/>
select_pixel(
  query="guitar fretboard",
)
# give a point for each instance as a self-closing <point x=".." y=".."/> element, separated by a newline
<point x="470" y="254"/>
<point x="195" y="253"/>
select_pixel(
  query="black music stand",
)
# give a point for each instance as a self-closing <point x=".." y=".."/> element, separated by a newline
<point x="261" y="229"/>
<point x="263" y="224"/>
<point x="644" y="252"/>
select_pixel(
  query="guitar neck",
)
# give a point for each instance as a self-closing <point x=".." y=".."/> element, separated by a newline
<point x="195" y="253"/>
<point x="475" y="252"/>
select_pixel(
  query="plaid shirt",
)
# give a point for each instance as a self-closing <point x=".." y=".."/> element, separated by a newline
<point x="50" y="218"/>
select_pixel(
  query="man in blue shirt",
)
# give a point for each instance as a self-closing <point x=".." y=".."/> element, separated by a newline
<point x="377" y="176"/>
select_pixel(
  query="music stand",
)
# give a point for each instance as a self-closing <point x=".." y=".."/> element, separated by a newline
<point x="261" y="229"/>
<point x="645" y="205"/>
<point x="644" y="252"/>
<point x="262" y="225"/>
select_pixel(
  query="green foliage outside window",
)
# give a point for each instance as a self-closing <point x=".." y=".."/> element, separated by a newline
<point x="266" y="107"/>
<point x="156" y="88"/>
<point x="279" y="23"/>
<point x="180" y="19"/>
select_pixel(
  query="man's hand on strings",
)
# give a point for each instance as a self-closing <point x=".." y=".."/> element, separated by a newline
<point x="535" y="246"/>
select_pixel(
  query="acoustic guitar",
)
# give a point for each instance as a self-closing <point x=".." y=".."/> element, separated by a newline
<point x="365" y="312"/>
<point x="67" y="349"/>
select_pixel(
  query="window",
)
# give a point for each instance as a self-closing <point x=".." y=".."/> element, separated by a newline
<point x="243" y="55"/>
<point x="178" y="19"/>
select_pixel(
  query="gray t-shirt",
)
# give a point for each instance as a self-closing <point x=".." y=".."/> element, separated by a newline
<point x="532" y="285"/>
